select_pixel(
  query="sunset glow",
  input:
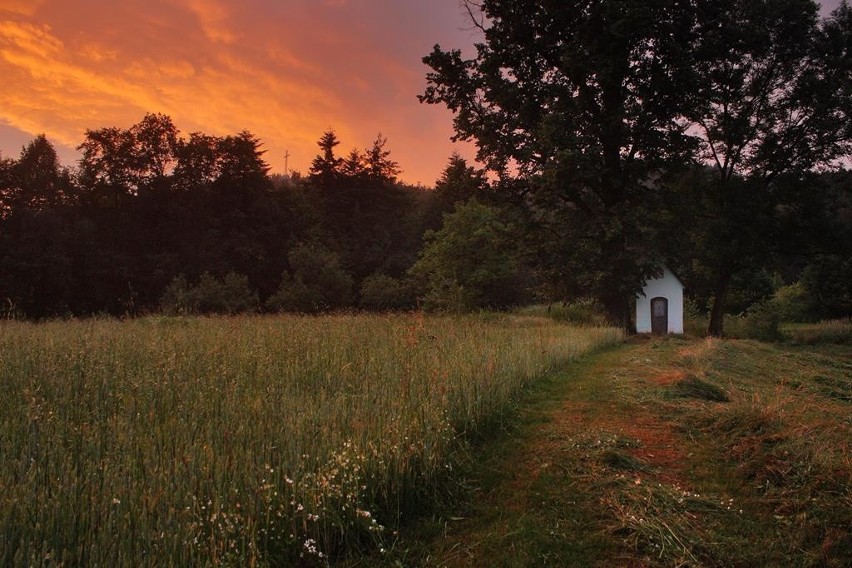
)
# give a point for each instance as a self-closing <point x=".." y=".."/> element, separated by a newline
<point x="286" y="71"/>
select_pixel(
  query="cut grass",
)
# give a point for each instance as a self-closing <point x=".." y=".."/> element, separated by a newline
<point x="604" y="467"/>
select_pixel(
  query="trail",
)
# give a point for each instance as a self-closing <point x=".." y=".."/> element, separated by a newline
<point x="542" y="500"/>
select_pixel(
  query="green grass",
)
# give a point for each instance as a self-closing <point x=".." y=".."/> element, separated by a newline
<point x="604" y="467"/>
<point x="837" y="332"/>
<point x="247" y="441"/>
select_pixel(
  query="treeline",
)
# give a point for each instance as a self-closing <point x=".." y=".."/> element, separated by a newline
<point x="150" y="219"/>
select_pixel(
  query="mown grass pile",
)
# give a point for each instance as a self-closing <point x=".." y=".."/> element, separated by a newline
<point x="245" y="441"/>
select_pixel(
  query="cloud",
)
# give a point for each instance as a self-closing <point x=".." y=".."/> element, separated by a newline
<point x="213" y="16"/>
<point x="286" y="71"/>
<point x="21" y="7"/>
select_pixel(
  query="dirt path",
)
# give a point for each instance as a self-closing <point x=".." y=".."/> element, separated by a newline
<point x="604" y="468"/>
<point x="534" y="507"/>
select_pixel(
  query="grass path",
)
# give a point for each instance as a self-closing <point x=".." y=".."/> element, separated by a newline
<point x="665" y="453"/>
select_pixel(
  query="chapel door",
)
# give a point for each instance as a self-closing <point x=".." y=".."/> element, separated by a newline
<point x="659" y="316"/>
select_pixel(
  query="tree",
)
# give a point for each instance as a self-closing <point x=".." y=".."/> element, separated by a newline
<point x="198" y="161"/>
<point x="773" y="97"/>
<point x="458" y="183"/>
<point x="155" y="141"/>
<point x="353" y="166"/>
<point x="577" y="110"/>
<point x="378" y="165"/>
<point x="325" y="168"/>
<point x="471" y="263"/>
<point x="241" y="160"/>
<point x="35" y="180"/>
<point x="123" y="162"/>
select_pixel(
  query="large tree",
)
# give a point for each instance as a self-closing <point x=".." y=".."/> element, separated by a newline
<point x="586" y="108"/>
<point x="576" y="107"/>
<point x="773" y="97"/>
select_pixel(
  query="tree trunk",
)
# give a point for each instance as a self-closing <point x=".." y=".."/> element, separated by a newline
<point x="618" y="312"/>
<point x="717" y="313"/>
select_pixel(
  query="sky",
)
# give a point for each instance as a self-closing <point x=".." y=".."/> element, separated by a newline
<point x="285" y="70"/>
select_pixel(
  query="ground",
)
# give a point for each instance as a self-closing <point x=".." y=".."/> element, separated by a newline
<point x="663" y="452"/>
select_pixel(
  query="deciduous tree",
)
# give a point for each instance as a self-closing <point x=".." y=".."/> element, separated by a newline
<point x="581" y="102"/>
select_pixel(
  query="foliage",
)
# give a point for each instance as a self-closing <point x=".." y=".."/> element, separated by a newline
<point x="245" y="441"/>
<point x="382" y="292"/>
<point x="772" y="102"/>
<point x="230" y="295"/>
<point x="459" y="182"/>
<point x="585" y="114"/>
<point x="315" y="282"/>
<point x="470" y="263"/>
<point x="791" y="301"/>
<point x="827" y="281"/>
<point x="579" y="312"/>
<point x="148" y="204"/>
<point x="837" y="332"/>
<point x="574" y="112"/>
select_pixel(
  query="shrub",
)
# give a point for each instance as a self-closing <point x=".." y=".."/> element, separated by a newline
<point x="315" y="283"/>
<point x="694" y="321"/>
<point x="762" y="321"/>
<point x="177" y="298"/>
<point x="230" y="295"/>
<point x="382" y="292"/>
<point x="792" y="303"/>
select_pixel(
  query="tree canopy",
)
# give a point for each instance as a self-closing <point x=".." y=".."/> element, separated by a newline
<point x="587" y="110"/>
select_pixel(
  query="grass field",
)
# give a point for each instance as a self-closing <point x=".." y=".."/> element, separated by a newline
<point x="665" y="452"/>
<point x="246" y="441"/>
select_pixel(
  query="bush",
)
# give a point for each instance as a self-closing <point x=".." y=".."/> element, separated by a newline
<point x="177" y="298"/>
<point x="695" y="322"/>
<point x="761" y="322"/>
<point x="230" y="295"/>
<point x="382" y="292"/>
<point x="315" y="283"/>
<point x="792" y="303"/>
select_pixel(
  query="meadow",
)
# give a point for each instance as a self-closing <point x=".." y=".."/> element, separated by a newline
<point x="247" y="440"/>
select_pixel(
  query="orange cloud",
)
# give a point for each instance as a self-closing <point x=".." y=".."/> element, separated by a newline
<point x="284" y="71"/>
<point x="213" y="16"/>
<point x="22" y="7"/>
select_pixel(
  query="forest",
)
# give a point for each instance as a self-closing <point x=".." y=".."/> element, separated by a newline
<point x="151" y="221"/>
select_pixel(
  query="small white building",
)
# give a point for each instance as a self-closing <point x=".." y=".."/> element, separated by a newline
<point x="659" y="308"/>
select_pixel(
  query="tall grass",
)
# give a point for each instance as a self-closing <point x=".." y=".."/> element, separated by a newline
<point x="244" y="441"/>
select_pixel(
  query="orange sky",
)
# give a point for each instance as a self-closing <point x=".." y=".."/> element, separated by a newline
<point x="287" y="70"/>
